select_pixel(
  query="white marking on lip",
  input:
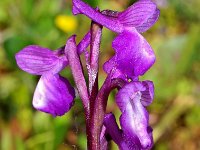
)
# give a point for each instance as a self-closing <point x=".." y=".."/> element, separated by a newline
<point x="39" y="98"/>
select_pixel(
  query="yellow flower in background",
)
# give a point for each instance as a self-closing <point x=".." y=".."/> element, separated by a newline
<point x="66" y="23"/>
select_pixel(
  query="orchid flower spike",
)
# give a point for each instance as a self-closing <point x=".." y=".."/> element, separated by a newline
<point x="132" y="99"/>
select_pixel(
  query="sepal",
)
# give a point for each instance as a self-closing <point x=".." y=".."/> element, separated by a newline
<point x="38" y="60"/>
<point x="142" y="14"/>
<point x="149" y="22"/>
<point x="137" y="14"/>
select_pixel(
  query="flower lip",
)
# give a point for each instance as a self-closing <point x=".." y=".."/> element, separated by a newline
<point x="53" y="95"/>
<point x="145" y="89"/>
<point x="131" y="100"/>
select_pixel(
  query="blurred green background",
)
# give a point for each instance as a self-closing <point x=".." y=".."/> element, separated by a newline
<point x="175" y="112"/>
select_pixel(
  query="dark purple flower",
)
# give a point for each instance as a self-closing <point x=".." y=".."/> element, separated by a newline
<point x="132" y="99"/>
<point x="53" y="95"/>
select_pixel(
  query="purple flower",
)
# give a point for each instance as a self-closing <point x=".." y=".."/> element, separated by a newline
<point x="141" y="15"/>
<point x="53" y="95"/>
<point x="132" y="99"/>
<point x="133" y="55"/>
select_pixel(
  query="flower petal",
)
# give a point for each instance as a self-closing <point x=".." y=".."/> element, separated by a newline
<point x="111" y="23"/>
<point x="133" y="143"/>
<point x="53" y="95"/>
<point x="111" y="65"/>
<point x="134" y="118"/>
<point x="145" y="88"/>
<point x="148" y="94"/>
<point x="149" y="22"/>
<point x="124" y="94"/>
<point x="112" y="128"/>
<point x="134" y="56"/>
<point x="134" y="123"/>
<point x="84" y="43"/>
<point x="38" y="60"/>
<point x="137" y="14"/>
